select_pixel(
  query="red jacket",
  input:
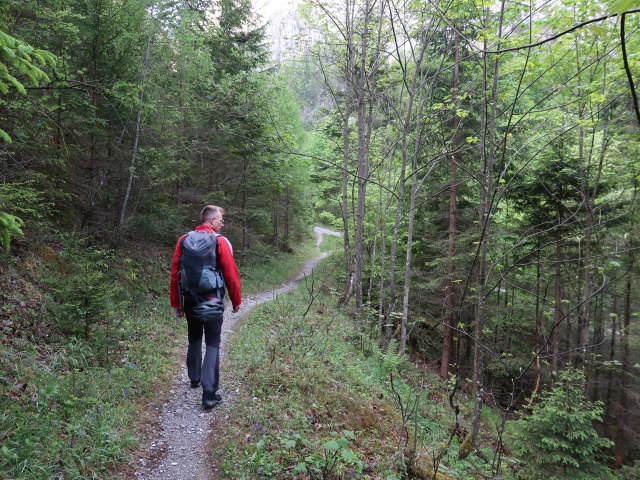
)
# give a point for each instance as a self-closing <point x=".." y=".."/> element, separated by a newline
<point x="226" y="263"/>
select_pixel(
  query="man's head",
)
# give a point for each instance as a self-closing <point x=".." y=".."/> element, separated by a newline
<point x="212" y="215"/>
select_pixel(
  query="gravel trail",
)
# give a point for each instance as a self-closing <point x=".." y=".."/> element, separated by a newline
<point x="177" y="449"/>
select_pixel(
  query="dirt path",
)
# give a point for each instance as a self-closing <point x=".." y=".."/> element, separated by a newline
<point x="177" y="450"/>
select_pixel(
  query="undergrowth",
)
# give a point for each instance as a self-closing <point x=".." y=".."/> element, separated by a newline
<point x="85" y="334"/>
<point x="318" y="400"/>
<point x="81" y="344"/>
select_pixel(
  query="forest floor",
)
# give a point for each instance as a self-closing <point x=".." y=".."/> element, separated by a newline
<point x="176" y="440"/>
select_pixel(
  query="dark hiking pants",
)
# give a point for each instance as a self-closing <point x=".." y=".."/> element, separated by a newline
<point x="207" y="371"/>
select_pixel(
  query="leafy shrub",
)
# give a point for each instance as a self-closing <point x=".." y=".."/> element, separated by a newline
<point x="327" y="218"/>
<point x="9" y="225"/>
<point x="330" y="457"/>
<point x="22" y="199"/>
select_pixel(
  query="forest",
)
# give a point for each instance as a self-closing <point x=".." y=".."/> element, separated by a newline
<point x="481" y="159"/>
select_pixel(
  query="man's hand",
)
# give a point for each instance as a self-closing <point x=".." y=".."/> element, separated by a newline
<point x="178" y="311"/>
<point x="236" y="309"/>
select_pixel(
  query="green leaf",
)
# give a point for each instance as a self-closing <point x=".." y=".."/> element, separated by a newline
<point x="331" y="445"/>
<point x="349" y="434"/>
<point x="621" y="6"/>
<point x="300" y="467"/>
<point x="349" y="456"/>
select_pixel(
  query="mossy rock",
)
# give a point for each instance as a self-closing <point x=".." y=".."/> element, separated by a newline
<point x="466" y="447"/>
<point x="421" y="467"/>
<point x="50" y="257"/>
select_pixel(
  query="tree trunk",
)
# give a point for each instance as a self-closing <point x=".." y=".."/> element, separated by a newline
<point x="486" y="195"/>
<point x="374" y="251"/>
<point x="623" y="413"/>
<point x="274" y="221"/>
<point x="557" y="312"/>
<point x="598" y="340"/>
<point x="480" y="316"/>
<point x="585" y="308"/>
<point x="612" y="352"/>
<point x="383" y="254"/>
<point x="245" y="216"/>
<point x="401" y="186"/>
<point x="449" y="292"/>
<point x="589" y="193"/>
<point x="538" y="318"/>
<point x="346" y="151"/>
<point x="136" y="138"/>
<point x="410" y="227"/>
<point x="285" y="239"/>
<point x="363" y="163"/>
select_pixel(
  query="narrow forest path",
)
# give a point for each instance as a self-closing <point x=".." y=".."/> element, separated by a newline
<point x="177" y="449"/>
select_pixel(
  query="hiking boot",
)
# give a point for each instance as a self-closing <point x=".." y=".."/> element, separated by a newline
<point x="210" y="400"/>
<point x="195" y="383"/>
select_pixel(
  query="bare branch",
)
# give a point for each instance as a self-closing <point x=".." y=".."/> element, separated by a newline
<point x="577" y="26"/>
<point x="632" y="87"/>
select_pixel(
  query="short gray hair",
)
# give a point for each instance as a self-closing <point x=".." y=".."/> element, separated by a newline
<point x="210" y="211"/>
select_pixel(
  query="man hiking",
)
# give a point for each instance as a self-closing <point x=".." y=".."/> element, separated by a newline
<point x="202" y="267"/>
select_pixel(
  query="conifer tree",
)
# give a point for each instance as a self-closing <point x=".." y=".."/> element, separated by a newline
<point x="558" y="441"/>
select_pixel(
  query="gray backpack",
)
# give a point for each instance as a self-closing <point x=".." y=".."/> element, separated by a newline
<point x="199" y="272"/>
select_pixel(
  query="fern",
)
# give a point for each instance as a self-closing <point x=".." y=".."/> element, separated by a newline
<point x="369" y="346"/>
<point x="391" y="358"/>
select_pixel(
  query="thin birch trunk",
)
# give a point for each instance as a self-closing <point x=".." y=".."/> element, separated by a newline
<point x="346" y="151"/>
<point x="374" y="251"/>
<point x="417" y="146"/>
<point x="401" y="186"/>
<point x="136" y="138"/>
<point x="407" y="271"/>
<point x="383" y="256"/>
<point x="363" y="164"/>
<point x="366" y="93"/>
<point x="485" y="220"/>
